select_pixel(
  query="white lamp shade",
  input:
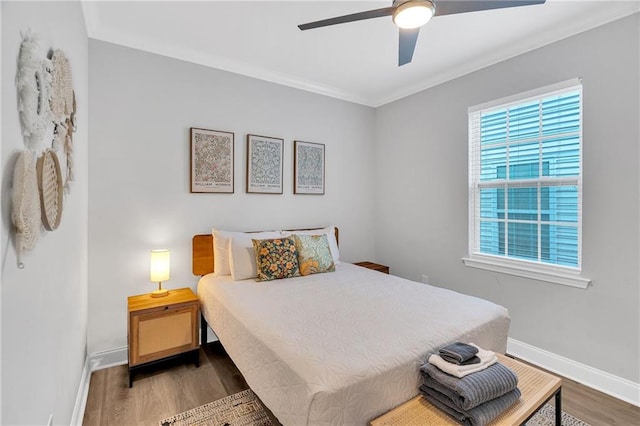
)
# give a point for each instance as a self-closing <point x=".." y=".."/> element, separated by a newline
<point x="160" y="266"/>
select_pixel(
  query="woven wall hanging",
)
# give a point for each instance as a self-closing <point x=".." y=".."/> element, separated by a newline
<point x="25" y="212"/>
<point x="33" y="82"/>
<point x="47" y="110"/>
<point x="68" y="146"/>
<point x="61" y="101"/>
<point x="63" y="110"/>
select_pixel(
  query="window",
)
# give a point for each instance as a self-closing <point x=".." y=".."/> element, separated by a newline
<point x="525" y="184"/>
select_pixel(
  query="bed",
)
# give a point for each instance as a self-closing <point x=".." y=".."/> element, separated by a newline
<point x="338" y="348"/>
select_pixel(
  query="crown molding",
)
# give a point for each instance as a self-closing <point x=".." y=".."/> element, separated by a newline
<point x="544" y="38"/>
<point x="99" y="31"/>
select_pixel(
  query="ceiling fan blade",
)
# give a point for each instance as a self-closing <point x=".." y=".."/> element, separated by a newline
<point x="449" y="7"/>
<point x="407" y="45"/>
<point x="376" y="13"/>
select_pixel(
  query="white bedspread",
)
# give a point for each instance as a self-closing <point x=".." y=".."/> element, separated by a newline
<point x="341" y="348"/>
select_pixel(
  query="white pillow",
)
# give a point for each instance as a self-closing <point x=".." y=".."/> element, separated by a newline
<point x="330" y="231"/>
<point x="221" y="251"/>
<point x="242" y="256"/>
<point x="221" y="248"/>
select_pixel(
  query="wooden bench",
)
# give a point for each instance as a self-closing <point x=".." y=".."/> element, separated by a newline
<point x="537" y="388"/>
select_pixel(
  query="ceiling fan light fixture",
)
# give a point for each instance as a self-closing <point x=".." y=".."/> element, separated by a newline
<point x="413" y="13"/>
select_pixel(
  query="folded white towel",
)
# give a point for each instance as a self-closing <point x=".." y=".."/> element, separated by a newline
<point x="487" y="358"/>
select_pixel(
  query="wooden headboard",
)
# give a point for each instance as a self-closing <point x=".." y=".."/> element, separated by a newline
<point x="202" y="252"/>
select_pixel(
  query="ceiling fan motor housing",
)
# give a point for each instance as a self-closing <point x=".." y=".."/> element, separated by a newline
<point x="397" y="3"/>
<point x="411" y="14"/>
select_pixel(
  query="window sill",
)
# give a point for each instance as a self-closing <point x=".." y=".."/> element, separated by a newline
<point x="533" y="271"/>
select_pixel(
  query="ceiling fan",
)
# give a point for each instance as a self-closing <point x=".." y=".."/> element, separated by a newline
<point x="410" y="15"/>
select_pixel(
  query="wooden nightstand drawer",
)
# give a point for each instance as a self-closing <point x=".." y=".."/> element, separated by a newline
<point x="374" y="266"/>
<point x="162" y="327"/>
<point x="162" y="333"/>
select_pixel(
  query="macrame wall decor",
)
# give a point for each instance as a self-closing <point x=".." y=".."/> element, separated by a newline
<point x="61" y="88"/>
<point x="33" y="81"/>
<point x="25" y="212"/>
<point x="47" y="110"/>
<point x="63" y="108"/>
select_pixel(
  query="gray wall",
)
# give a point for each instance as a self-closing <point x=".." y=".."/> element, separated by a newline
<point x="44" y="305"/>
<point x="421" y="204"/>
<point x="142" y="106"/>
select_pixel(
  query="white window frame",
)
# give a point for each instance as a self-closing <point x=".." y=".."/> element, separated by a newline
<point x="557" y="274"/>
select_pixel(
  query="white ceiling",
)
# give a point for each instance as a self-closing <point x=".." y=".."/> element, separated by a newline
<point x="356" y="61"/>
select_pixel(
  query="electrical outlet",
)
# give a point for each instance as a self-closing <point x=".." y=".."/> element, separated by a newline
<point x="50" y="422"/>
<point x="425" y="279"/>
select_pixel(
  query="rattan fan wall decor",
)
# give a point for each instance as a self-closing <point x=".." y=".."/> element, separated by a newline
<point x="51" y="190"/>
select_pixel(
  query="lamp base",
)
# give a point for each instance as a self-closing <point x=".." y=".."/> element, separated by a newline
<point x="159" y="293"/>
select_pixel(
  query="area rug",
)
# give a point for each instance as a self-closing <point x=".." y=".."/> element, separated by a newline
<point x="244" y="409"/>
<point x="546" y="416"/>
<point x="240" y="409"/>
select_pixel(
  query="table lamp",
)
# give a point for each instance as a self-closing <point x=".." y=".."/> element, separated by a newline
<point x="159" y="271"/>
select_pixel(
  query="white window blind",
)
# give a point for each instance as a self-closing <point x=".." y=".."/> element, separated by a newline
<point x="525" y="179"/>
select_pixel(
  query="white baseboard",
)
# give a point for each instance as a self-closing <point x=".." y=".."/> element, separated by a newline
<point x="618" y="387"/>
<point x="93" y="362"/>
<point x="109" y="358"/>
<point x="81" y="399"/>
<point x="98" y="361"/>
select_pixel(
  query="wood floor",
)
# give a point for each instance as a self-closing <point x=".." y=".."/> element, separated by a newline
<point x="163" y="392"/>
<point x="176" y="387"/>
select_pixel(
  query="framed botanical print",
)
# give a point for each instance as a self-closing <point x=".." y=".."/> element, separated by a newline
<point x="211" y="161"/>
<point x="264" y="164"/>
<point x="308" y="168"/>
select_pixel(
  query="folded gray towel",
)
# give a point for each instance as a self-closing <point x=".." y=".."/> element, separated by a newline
<point x="477" y="416"/>
<point x="459" y="353"/>
<point x="474" y="389"/>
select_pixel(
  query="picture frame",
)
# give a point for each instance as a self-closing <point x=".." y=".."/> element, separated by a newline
<point x="265" y="164"/>
<point x="308" y="168"/>
<point x="212" y="160"/>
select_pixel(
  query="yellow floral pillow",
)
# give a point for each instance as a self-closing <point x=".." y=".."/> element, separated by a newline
<point x="276" y="259"/>
<point x="314" y="254"/>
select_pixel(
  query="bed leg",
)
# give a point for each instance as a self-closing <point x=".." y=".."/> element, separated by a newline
<point x="203" y="330"/>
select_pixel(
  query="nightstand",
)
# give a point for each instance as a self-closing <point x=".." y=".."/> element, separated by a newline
<point x="160" y="328"/>
<point x="375" y="266"/>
